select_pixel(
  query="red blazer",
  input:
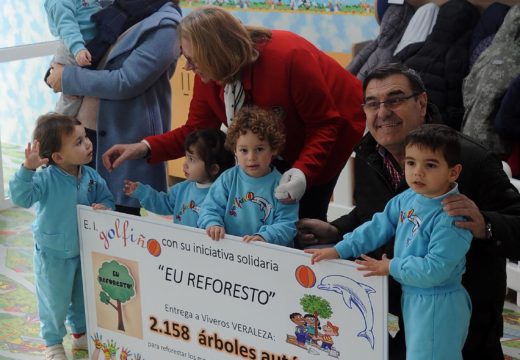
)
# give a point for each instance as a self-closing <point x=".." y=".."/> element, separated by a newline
<point x="320" y="101"/>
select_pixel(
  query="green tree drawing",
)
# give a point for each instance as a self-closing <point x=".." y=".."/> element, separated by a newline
<point x="118" y="285"/>
<point x="317" y="306"/>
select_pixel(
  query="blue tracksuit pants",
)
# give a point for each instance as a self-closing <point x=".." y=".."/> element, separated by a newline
<point x="59" y="291"/>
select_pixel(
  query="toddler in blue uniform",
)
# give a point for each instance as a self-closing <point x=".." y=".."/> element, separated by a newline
<point x="61" y="147"/>
<point x="70" y="20"/>
<point x="241" y="202"/>
<point x="429" y="255"/>
<point x="206" y="158"/>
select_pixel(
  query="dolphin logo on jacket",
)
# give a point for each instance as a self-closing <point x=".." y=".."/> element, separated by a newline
<point x="356" y="293"/>
<point x="415" y="220"/>
<point x="265" y="206"/>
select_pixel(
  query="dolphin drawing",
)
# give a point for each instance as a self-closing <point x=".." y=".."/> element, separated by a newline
<point x="265" y="206"/>
<point x="357" y="293"/>
<point x="415" y="220"/>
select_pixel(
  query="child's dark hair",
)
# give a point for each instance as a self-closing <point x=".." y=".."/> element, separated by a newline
<point x="267" y="125"/>
<point x="437" y="137"/>
<point x="209" y="146"/>
<point x="49" y="131"/>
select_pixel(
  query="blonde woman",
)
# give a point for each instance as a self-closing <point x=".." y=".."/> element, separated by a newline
<point x="237" y="65"/>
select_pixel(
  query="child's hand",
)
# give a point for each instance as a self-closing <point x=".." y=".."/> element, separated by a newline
<point x="32" y="156"/>
<point x="96" y="206"/>
<point x="322" y="254"/>
<point x="215" y="232"/>
<point x="130" y="187"/>
<point x="83" y="58"/>
<point x="373" y="266"/>
<point x="249" y="238"/>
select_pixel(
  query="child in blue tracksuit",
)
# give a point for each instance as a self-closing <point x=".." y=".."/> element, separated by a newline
<point x="70" y="21"/>
<point x="429" y="253"/>
<point x="241" y="201"/>
<point x="206" y="158"/>
<point x="60" y="143"/>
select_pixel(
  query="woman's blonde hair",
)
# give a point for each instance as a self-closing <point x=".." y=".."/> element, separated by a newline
<point x="221" y="44"/>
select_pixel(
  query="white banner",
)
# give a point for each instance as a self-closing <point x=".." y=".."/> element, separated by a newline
<point x="155" y="290"/>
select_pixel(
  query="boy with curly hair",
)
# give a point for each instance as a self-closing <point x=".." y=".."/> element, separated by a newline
<point x="241" y="201"/>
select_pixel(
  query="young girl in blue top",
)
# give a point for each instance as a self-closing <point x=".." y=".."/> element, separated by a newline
<point x="60" y="143"/>
<point x="206" y="159"/>
<point x="429" y="254"/>
<point x="241" y="201"/>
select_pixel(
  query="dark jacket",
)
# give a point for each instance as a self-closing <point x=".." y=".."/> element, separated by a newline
<point x="381" y="50"/>
<point x="442" y="59"/>
<point x="482" y="180"/>
<point x="115" y="19"/>
<point x="507" y="122"/>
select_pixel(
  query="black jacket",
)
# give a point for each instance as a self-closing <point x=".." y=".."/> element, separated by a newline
<point x="483" y="181"/>
<point x="442" y="59"/>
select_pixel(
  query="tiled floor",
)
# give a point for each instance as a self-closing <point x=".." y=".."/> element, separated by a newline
<point x="18" y="317"/>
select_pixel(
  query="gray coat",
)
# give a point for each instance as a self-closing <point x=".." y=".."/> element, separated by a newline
<point x="488" y="81"/>
<point x="135" y="96"/>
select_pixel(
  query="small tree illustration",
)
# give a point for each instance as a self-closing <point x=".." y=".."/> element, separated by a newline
<point x="317" y="306"/>
<point x="117" y="284"/>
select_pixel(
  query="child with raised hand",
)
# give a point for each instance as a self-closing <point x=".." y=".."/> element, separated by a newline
<point x="70" y="20"/>
<point x="206" y="158"/>
<point x="241" y="202"/>
<point x="61" y="144"/>
<point x="429" y="253"/>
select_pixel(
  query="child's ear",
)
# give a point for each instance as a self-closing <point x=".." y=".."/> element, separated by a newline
<point x="454" y="172"/>
<point x="57" y="158"/>
<point x="213" y="170"/>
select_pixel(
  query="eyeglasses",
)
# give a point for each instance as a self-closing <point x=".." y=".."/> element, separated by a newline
<point x="390" y="103"/>
<point x="190" y="64"/>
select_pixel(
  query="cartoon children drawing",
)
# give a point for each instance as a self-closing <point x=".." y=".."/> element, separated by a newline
<point x="329" y="330"/>
<point x="311" y="324"/>
<point x="300" y="330"/>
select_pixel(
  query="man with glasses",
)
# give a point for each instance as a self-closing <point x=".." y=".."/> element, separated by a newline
<point x="395" y="102"/>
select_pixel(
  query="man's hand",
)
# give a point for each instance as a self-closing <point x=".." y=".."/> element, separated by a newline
<point x="461" y="205"/>
<point x="322" y="254"/>
<point x="314" y="231"/>
<point x="215" y="232"/>
<point x="374" y="267"/>
<point x="120" y="153"/>
<point x="292" y="186"/>
<point x="32" y="156"/>
<point x="54" y="79"/>
<point x="83" y="58"/>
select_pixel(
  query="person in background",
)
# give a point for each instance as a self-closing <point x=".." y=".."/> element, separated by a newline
<point x="241" y="202"/>
<point x="237" y="65"/>
<point x="129" y="96"/>
<point x="70" y="20"/>
<point x="430" y="250"/>
<point x="395" y="103"/>
<point x="61" y="146"/>
<point x="206" y="159"/>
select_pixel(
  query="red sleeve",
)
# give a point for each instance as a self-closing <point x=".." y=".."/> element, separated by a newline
<point x="317" y="110"/>
<point x="204" y="107"/>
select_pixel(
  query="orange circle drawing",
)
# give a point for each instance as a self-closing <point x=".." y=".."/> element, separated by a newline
<point x="153" y="246"/>
<point x="305" y="276"/>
